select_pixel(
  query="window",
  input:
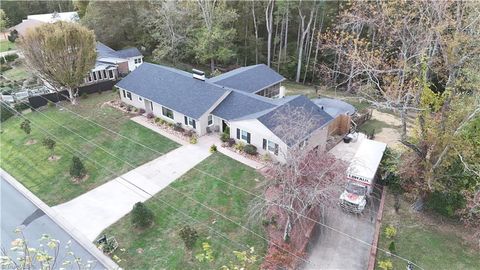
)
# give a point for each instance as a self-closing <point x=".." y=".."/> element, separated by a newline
<point x="140" y="98"/>
<point x="243" y="135"/>
<point x="89" y="77"/>
<point x="138" y="60"/>
<point x="270" y="146"/>
<point x="104" y="74"/>
<point x="210" y="120"/>
<point x="167" y="112"/>
<point x="99" y="75"/>
<point x="124" y="94"/>
<point x="190" y="122"/>
<point x="129" y="95"/>
<point x="110" y="73"/>
<point x="94" y="76"/>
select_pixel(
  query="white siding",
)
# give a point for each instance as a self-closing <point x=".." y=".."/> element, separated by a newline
<point x="131" y="63"/>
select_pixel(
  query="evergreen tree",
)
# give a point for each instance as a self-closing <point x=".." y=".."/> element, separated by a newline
<point x="77" y="169"/>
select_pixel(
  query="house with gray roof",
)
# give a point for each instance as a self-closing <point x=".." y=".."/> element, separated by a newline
<point x="236" y="102"/>
<point x="112" y="64"/>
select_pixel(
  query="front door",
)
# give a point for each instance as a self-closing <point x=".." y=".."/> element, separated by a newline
<point x="148" y="106"/>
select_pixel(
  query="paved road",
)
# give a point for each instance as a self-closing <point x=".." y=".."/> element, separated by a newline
<point x="18" y="211"/>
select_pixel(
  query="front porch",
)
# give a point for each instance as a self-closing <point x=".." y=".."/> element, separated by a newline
<point x="205" y="141"/>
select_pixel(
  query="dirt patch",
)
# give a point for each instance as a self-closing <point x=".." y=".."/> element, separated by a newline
<point x="391" y="137"/>
<point x="54" y="158"/>
<point x="31" y="142"/>
<point x="80" y="180"/>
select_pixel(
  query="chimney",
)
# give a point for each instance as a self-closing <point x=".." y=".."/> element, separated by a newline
<point x="198" y="74"/>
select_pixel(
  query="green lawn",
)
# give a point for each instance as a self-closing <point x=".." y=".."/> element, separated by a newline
<point x="6" y="45"/>
<point x="160" y="247"/>
<point x="374" y="125"/>
<point x="425" y="244"/>
<point x="18" y="72"/>
<point x="50" y="180"/>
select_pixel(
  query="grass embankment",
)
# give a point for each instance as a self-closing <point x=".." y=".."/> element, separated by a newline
<point x="160" y="246"/>
<point x="50" y="180"/>
<point x="427" y="244"/>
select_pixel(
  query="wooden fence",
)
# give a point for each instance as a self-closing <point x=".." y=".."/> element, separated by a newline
<point x="340" y="125"/>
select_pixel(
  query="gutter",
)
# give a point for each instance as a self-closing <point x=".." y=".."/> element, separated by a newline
<point x="101" y="258"/>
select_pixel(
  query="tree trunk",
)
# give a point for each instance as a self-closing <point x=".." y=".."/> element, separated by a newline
<point x="72" y="95"/>
<point x="310" y="45"/>
<point x="269" y="24"/>
<point x="304" y="30"/>
<point x="280" y="45"/>
<point x="256" y="31"/>
<point x="212" y="65"/>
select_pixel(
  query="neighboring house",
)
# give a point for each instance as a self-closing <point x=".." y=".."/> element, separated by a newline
<point x="111" y="64"/>
<point x="239" y="101"/>
<point x="33" y="21"/>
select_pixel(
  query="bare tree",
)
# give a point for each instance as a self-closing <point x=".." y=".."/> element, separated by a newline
<point x="256" y="31"/>
<point x="308" y="179"/>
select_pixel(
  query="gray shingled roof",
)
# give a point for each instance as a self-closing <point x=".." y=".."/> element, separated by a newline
<point x="172" y="88"/>
<point x="237" y="105"/>
<point x="249" y="79"/>
<point x="104" y="52"/>
<point x="318" y="117"/>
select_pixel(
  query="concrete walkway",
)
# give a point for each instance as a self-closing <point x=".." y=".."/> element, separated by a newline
<point x="99" y="208"/>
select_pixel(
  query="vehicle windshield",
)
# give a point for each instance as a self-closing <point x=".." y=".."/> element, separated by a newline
<point x="356" y="189"/>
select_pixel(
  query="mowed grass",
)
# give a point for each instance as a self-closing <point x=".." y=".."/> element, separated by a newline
<point x="424" y="244"/>
<point x="160" y="246"/>
<point x="18" y="72"/>
<point x="6" y="45"/>
<point x="50" y="180"/>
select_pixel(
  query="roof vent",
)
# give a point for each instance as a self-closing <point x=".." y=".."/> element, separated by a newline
<point x="198" y="74"/>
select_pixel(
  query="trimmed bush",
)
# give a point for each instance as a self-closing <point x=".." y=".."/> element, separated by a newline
<point x="239" y="146"/>
<point x="231" y="142"/>
<point x="390" y="231"/>
<point x="25" y="126"/>
<point x="193" y="139"/>
<point x="391" y="247"/>
<point x="49" y="143"/>
<point x="150" y="115"/>
<point x="385" y="265"/>
<point x="51" y="104"/>
<point x="250" y="149"/>
<point x="141" y="111"/>
<point x="213" y="148"/>
<point x="189" y="133"/>
<point x="189" y="236"/>
<point x="157" y="119"/>
<point x="11" y="57"/>
<point x="141" y="215"/>
<point x="21" y="106"/>
<point x="77" y="170"/>
<point x="178" y="127"/>
<point x="224" y="137"/>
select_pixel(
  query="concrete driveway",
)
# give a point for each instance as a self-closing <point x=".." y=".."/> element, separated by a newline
<point x="99" y="208"/>
<point x="333" y="250"/>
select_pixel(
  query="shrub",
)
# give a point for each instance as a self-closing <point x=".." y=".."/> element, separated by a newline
<point x="157" y="119"/>
<point x="385" y="265"/>
<point x="266" y="157"/>
<point x="4" y="68"/>
<point x="224" y="137"/>
<point x="11" y="57"/>
<point x="189" y="236"/>
<point x="141" y="111"/>
<point x="170" y="124"/>
<point x="129" y="108"/>
<point x="135" y="109"/>
<point x="141" y="215"/>
<point x="5" y="111"/>
<point x="21" y="106"/>
<point x="390" y="231"/>
<point x="50" y="104"/>
<point x="231" y="142"/>
<point x="77" y="170"/>
<point x="25" y="126"/>
<point x="178" y="127"/>
<point x="445" y="203"/>
<point x="49" y="143"/>
<point x="391" y="247"/>
<point x="150" y="115"/>
<point x="239" y="146"/>
<point x="213" y="148"/>
<point x="84" y="95"/>
<point x="189" y="133"/>
<point x="193" y="139"/>
<point x="250" y="149"/>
